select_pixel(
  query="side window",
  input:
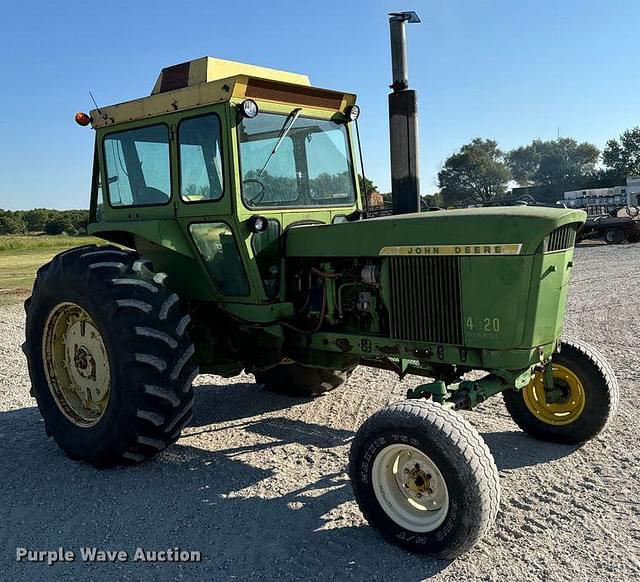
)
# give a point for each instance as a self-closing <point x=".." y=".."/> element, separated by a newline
<point x="96" y="212"/>
<point x="218" y="249"/>
<point x="99" y="203"/>
<point x="137" y="163"/>
<point x="200" y="158"/>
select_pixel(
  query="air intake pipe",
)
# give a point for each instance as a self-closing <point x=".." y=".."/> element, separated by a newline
<point x="403" y="121"/>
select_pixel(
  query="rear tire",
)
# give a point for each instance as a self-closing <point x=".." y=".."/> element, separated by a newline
<point x="146" y="352"/>
<point x="614" y="236"/>
<point x="297" y="380"/>
<point x="449" y="457"/>
<point x="591" y="401"/>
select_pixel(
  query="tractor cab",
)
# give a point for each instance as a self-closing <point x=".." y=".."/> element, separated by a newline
<point x="216" y="164"/>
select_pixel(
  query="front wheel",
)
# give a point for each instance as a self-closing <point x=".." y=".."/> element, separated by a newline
<point x="424" y="478"/>
<point x="584" y="398"/>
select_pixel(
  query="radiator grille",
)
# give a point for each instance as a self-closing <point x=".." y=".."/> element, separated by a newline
<point x="425" y="299"/>
<point x="563" y="237"/>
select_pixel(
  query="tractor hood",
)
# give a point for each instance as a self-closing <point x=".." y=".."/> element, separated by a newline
<point x="505" y="230"/>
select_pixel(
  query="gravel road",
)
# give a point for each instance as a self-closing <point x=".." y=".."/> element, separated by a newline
<point x="257" y="482"/>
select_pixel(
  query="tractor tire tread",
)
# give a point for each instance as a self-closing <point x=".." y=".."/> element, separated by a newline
<point x="157" y="364"/>
<point x="610" y="394"/>
<point x="471" y="452"/>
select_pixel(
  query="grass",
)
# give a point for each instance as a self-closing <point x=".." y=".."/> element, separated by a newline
<point x="42" y="241"/>
<point x="22" y="256"/>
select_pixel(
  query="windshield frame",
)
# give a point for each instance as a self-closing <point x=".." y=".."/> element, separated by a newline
<point x="352" y="163"/>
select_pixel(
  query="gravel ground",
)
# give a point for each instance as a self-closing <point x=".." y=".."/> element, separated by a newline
<point x="257" y="482"/>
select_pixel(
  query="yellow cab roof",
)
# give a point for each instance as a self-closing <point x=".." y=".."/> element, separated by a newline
<point x="209" y="80"/>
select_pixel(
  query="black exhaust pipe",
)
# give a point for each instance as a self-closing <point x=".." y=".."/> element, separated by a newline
<point x="403" y="121"/>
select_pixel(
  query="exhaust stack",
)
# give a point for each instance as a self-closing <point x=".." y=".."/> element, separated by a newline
<point x="403" y="121"/>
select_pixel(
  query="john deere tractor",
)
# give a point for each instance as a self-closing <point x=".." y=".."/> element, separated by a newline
<point x="242" y="242"/>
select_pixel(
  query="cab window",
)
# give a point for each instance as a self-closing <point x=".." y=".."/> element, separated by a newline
<point x="292" y="160"/>
<point x="138" y="168"/>
<point x="200" y="159"/>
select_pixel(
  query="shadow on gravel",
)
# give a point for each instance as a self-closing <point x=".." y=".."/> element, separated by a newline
<point x="515" y="449"/>
<point x="195" y="499"/>
<point x="242" y="402"/>
<point x="215" y="404"/>
<point x="192" y="499"/>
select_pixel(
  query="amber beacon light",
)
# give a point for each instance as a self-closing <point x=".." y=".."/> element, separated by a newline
<point x="82" y="119"/>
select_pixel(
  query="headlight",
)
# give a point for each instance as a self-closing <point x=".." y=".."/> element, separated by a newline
<point x="249" y="108"/>
<point x="352" y="112"/>
<point x="257" y="223"/>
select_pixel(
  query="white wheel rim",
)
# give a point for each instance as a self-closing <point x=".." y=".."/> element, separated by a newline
<point x="410" y="488"/>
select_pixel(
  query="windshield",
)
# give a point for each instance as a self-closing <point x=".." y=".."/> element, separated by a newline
<point x="290" y="160"/>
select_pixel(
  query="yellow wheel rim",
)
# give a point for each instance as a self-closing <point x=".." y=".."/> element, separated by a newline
<point x="565" y="407"/>
<point x="76" y="364"/>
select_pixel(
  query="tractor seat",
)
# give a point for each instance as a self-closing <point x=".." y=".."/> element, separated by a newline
<point x="149" y="195"/>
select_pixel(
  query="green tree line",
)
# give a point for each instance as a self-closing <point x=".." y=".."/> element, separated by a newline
<point x="480" y="172"/>
<point x="44" y="220"/>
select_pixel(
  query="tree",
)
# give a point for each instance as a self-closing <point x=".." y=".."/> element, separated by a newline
<point x="431" y="200"/>
<point x="59" y="225"/>
<point x="622" y="156"/>
<point x="10" y="224"/>
<point x="366" y="186"/>
<point x="604" y="178"/>
<point x="562" y="164"/>
<point x="35" y="219"/>
<point x="39" y="219"/>
<point x="326" y="185"/>
<point x="79" y="219"/>
<point x="476" y="174"/>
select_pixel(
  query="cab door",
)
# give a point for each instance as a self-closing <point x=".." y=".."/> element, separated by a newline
<point x="204" y="204"/>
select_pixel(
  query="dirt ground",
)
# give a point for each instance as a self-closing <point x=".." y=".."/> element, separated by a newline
<point x="257" y="482"/>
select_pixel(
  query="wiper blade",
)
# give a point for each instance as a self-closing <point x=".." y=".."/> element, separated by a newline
<point x="284" y="132"/>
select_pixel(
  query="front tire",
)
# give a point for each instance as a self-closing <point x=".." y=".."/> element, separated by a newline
<point x="109" y="356"/>
<point x="424" y="478"/>
<point x="587" y="399"/>
<point x="294" y="379"/>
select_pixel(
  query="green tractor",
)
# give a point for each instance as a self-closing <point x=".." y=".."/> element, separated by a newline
<point x="243" y="243"/>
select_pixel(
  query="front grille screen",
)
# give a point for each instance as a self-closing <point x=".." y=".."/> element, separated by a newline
<point x="425" y="299"/>
<point x="563" y="237"/>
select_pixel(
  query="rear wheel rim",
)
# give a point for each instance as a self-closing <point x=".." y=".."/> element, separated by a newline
<point x="410" y="488"/>
<point x="76" y="364"/>
<point x="562" y="412"/>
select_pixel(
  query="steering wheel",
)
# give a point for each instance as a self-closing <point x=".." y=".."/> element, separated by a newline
<point x="258" y="197"/>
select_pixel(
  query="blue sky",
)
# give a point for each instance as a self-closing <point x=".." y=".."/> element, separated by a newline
<point x="509" y="70"/>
